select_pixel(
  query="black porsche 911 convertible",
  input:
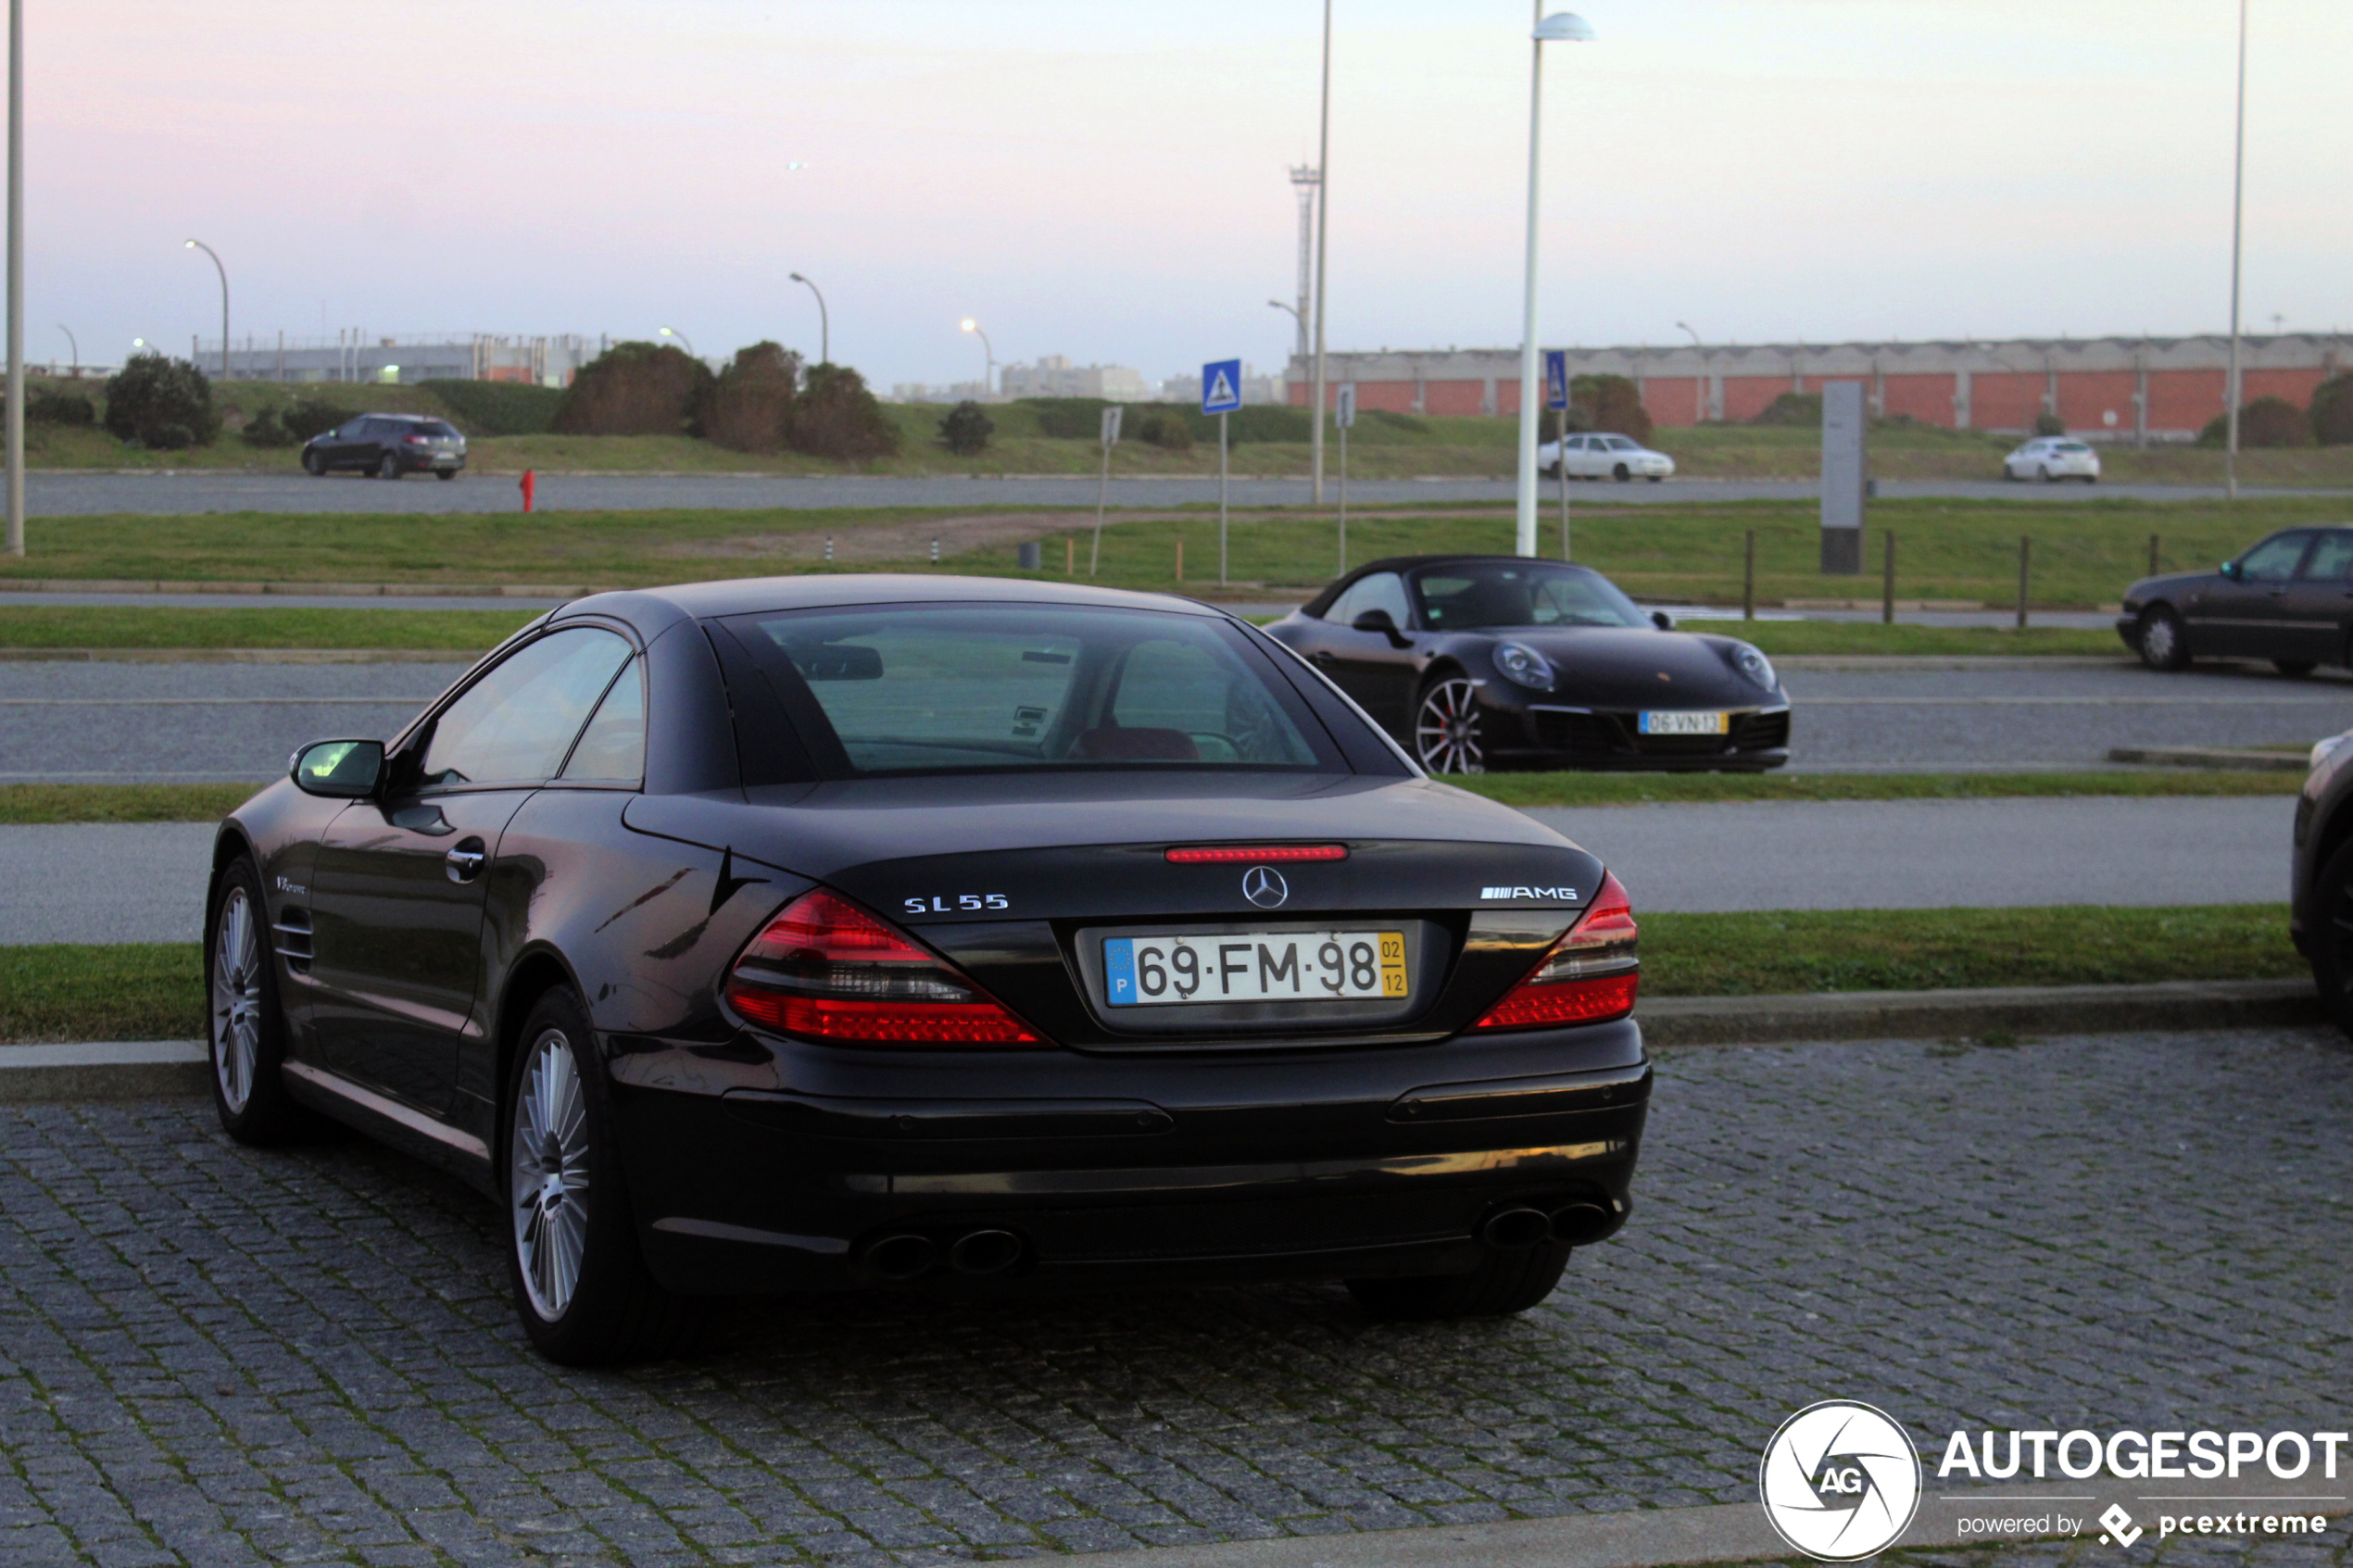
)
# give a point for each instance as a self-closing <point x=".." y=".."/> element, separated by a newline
<point x="1477" y="662"/>
<point x="834" y="932"/>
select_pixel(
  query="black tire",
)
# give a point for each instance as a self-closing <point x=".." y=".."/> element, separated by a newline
<point x="2295" y="669"/>
<point x="244" y="1024"/>
<point x="2328" y="935"/>
<point x="1621" y="473"/>
<point x="1449" y="727"/>
<point x="444" y="475"/>
<point x="314" y="465"/>
<point x="579" y="1280"/>
<point x="1503" y="1283"/>
<point x="2162" y="642"/>
<point x="2043" y="475"/>
<point x="1658" y="479"/>
<point x="388" y="467"/>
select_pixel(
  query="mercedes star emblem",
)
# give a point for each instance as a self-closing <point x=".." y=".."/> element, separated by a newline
<point x="1264" y="886"/>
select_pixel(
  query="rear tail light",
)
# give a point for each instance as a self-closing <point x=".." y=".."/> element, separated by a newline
<point x="826" y="970"/>
<point x="1589" y="977"/>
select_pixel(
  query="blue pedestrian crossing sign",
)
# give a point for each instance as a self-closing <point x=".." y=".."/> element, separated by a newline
<point x="1221" y="387"/>
<point x="1556" y="378"/>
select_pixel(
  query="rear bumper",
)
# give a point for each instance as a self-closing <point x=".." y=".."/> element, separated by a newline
<point x="1119" y="1169"/>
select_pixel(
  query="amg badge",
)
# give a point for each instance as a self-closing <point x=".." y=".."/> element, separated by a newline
<point x="1568" y="894"/>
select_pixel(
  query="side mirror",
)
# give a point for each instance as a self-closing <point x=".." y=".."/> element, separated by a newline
<point x="1380" y="620"/>
<point x="1663" y="620"/>
<point x="2231" y="570"/>
<point x="340" y="769"/>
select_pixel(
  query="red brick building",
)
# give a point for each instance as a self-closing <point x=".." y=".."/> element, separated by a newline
<point x="2111" y="388"/>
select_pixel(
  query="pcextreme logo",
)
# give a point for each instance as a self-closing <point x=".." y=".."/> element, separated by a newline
<point x="1840" y="1481"/>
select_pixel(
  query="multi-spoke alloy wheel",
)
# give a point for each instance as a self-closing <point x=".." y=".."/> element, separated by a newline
<point x="1446" y="729"/>
<point x="549" y="1150"/>
<point x="236" y="998"/>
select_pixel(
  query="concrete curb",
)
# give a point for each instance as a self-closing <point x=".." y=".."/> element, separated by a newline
<point x="2017" y="1010"/>
<point x="2213" y="756"/>
<point x="136" y="1069"/>
<point x="104" y="1070"/>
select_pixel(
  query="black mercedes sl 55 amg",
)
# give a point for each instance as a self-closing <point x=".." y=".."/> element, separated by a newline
<point x="1477" y="662"/>
<point x="940" y="933"/>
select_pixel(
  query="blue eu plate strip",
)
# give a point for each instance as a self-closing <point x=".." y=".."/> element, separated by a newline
<point x="1119" y="970"/>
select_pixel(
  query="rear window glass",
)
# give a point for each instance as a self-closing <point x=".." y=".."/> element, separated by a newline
<point x="961" y="688"/>
<point x="2071" y="447"/>
<point x="436" y="428"/>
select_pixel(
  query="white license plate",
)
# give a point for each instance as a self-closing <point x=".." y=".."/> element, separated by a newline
<point x="1686" y="724"/>
<point x="1296" y="966"/>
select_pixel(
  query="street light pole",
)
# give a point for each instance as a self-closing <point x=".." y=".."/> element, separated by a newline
<point x="1699" y="393"/>
<point x="1295" y="316"/>
<point x="199" y="244"/>
<point x="824" y="324"/>
<point x="1564" y="27"/>
<point x="681" y="337"/>
<point x="988" y="356"/>
<point x="14" y="419"/>
<point x="77" y="348"/>
<point x="2238" y="191"/>
<point x="1323" y="227"/>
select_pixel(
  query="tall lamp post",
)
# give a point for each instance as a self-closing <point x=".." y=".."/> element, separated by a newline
<point x="824" y="324"/>
<point x="1699" y="393"/>
<point x="76" y="345"/>
<point x="1293" y="311"/>
<point x="681" y="337"/>
<point x="1562" y="26"/>
<point x="199" y="244"/>
<point x="1323" y="227"/>
<point x="14" y="441"/>
<point x="988" y="355"/>
<point x="2238" y="192"/>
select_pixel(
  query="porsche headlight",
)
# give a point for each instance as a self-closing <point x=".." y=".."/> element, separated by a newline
<point x="1755" y="666"/>
<point x="1524" y="665"/>
<point x="2325" y="753"/>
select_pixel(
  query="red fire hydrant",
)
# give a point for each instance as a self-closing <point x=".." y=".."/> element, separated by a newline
<point x="530" y="482"/>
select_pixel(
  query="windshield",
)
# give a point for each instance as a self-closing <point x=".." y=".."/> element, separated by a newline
<point x="1520" y="594"/>
<point x="911" y="689"/>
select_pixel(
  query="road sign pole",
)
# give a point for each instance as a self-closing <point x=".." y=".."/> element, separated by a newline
<point x="1221" y="498"/>
<point x="1347" y="417"/>
<point x="1560" y="465"/>
<point x="1102" y="490"/>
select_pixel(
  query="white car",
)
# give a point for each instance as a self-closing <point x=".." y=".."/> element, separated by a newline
<point x="1604" y="457"/>
<point x="2052" y="457"/>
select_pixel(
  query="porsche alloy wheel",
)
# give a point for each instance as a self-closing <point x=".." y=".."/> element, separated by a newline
<point x="549" y="1155"/>
<point x="237" y="997"/>
<point x="1446" y="729"/>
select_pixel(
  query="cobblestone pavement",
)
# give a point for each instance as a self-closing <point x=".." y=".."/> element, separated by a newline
<point x="214" y="1355"/>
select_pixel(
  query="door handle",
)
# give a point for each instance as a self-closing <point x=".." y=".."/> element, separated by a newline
<point x="464" y="863"/>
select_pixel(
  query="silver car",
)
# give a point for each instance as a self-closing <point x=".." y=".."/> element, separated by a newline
<point x="1603" y="456"/>
<point x="2052" y="457"/>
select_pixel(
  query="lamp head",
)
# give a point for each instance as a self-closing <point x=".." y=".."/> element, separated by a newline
<point x="968" y="325"/>
<point x="189" y="244"/>
<point x="799" y="279"/>
<point x="1563" y="27"/>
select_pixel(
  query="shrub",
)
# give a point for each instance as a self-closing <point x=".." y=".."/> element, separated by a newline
<point x="2332" y="412"/>
<point x="54" y="408"/>
<point x="2267" y="422"/>
<point x="1268" y="421"/>
<point x="304" y="418"/>
<point x="266" y="428"/>
<point x="1614" y="404"/>
<point x="497" y="408"/>
<point x="1068" y="418"/>
<point x="636" y="389"/>
<point x="2048" y="423"/>
<point x="1793" y="408"/>
<point x="162" y="402"/>
<point x="751" y="403"/>
<point x="1169" y="431"/>
<point x="966" y="430"/>
<point x="836" y="417"/>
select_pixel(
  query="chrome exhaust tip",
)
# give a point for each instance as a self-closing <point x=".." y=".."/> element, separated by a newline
<point x="901" y="1257"/>
<point x="1580" y="1224"/>
<point x="985" y="1253"/>
<point x="1514" y="1228"/>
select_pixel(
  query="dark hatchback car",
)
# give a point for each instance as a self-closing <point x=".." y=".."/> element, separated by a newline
<point x="2288" y="599"/>
<point x="832" y="932"/>
<point x="388" y="445"/>
<point x="2320" y="886"/>
<point x="1476" y="662"/>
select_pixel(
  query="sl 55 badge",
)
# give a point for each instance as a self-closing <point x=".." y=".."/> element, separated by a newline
<point x="957" y="903"/>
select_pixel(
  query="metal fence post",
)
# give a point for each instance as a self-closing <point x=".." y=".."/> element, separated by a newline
<point x="2025" y="562"/>
<point x="1887" y="585"/>
<point x="2152" y="565"/>
<point x="1748" y="576"/>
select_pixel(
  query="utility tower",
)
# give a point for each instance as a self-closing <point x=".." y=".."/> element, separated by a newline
<point x="1304" y="180"/>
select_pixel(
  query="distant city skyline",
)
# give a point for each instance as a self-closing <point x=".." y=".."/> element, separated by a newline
<point x="1089" y="181"/>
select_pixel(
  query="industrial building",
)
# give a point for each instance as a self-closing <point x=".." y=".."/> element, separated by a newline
<point x="354" y="356"/>
<point x="2142" y="389"/>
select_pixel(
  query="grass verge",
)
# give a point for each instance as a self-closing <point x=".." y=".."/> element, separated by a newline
<point x="152" y="992"/>
<point x="1659" y="789"/>
<point x="1788" y="952"/>
<point x="127" y="991"/>
<point x="22" y="803"/>
<point x="464" y="633"/>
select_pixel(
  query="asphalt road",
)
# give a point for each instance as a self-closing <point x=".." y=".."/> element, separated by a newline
<point x="218" y="1355"/>
<point x="72" y="494"/>
<point x="101" y="723"/>
<point x="120" y="882"/>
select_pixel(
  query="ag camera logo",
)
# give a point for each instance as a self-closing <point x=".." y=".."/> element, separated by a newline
<point x="1840" y="1481"/>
